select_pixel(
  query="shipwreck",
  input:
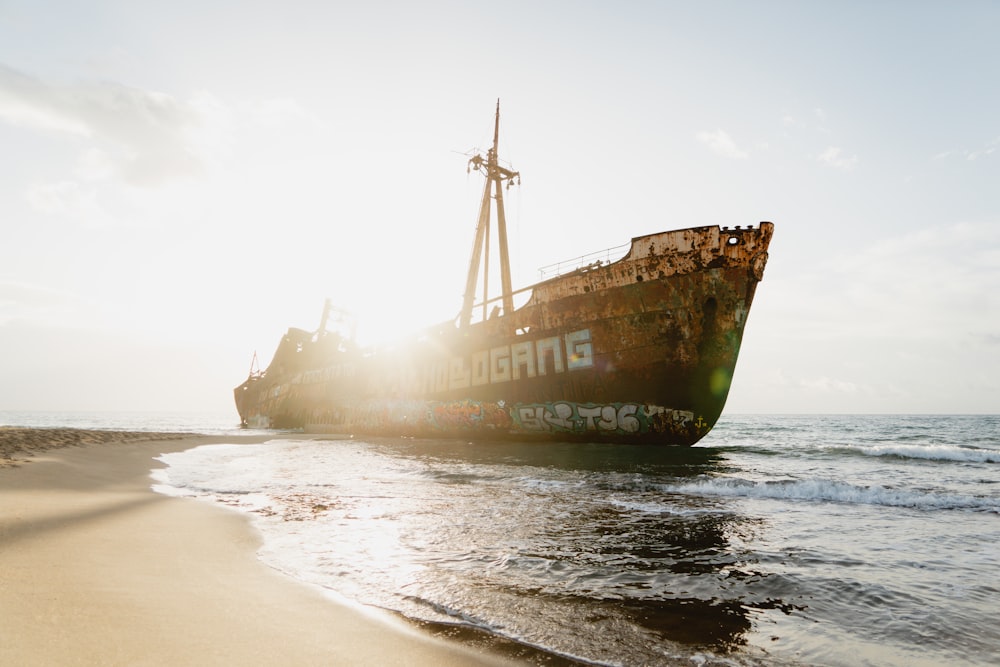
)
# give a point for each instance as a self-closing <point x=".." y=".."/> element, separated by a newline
<point x="636" y="349"/>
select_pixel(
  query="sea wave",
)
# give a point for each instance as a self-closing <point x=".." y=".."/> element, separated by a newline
<point x="825" y="490"/>
<point x="927" y="452"/>
<point x="661" y="508"/>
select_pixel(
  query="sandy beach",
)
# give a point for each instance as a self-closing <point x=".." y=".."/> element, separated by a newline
<point x="97" y="569"/>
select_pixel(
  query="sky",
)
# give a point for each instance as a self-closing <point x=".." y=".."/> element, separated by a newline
<point x="181" y="182"/>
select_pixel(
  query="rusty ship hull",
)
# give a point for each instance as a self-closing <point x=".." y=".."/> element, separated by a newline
<point x="642" y="349"/>
<point x="639" y="349"/>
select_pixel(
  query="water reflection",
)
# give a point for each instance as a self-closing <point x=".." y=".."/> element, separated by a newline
<point x="591" y="548"/>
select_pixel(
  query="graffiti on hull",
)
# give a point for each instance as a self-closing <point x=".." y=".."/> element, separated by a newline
<point x="465" y="415"/>
<point x="618" y="418"/>
<point x="430" y="416"/>
<point x="469" y="416"/>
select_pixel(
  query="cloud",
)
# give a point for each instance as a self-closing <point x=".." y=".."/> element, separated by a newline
<point x="721" y="143"/>
<point x="25" y="102"/>
<point x="833" y="156"/>
<point x="141" y="134"/>
<point x="140" y="158"/>
<point x="69" y="198"/>
<point x="930" y="284"/>
<point x="94" y="165"/>
<point x="988" y="149"/>
<point x="225" y="132"/>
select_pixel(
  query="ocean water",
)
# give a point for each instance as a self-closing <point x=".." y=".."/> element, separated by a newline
<point x="206" y="423"/>
<point x="816" y="540"/>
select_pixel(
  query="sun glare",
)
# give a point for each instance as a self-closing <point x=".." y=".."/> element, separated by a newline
<point x="387" y="323"/>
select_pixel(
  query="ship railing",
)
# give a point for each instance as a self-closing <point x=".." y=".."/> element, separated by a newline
<point x="494" y="306"/>
<point x="586" y="262"/>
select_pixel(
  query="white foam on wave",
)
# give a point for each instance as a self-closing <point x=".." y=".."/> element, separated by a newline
<point x="234" y="475"/>
<point x="825" y="490"/>
<point x="930" y="452"/>
<point x="652" y="507"/>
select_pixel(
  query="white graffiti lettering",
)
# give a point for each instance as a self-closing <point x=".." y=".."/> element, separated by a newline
<point x="580" y="349"/>
<point x="505" y="363"/>
<point x="575" y="417"/>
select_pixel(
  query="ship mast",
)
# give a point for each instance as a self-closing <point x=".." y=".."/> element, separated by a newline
<point x="495" y="176"/>
<point x="323" y="319"/>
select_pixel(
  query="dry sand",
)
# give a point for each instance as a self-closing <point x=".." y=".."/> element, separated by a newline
<point x="97" y="569"/>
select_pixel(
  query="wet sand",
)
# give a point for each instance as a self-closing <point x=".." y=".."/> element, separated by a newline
<point x="97" y="569"/>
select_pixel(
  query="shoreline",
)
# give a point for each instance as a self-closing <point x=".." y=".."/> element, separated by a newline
<point x="100" y="569"/>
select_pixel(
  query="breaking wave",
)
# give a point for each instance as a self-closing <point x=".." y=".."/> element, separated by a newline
<point x="952" y="453"/>
<point x="823" y="490"/>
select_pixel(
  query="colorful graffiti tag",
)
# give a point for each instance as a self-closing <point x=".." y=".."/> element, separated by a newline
<point x="427" y="416"/>
<point x="568" y="417"/>
<point x="469" y="415"/>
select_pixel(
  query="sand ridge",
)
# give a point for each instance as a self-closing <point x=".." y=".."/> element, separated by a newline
<point x="17" y="441"/>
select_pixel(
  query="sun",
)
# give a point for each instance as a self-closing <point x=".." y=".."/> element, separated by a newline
<point x="386" y="322"/>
